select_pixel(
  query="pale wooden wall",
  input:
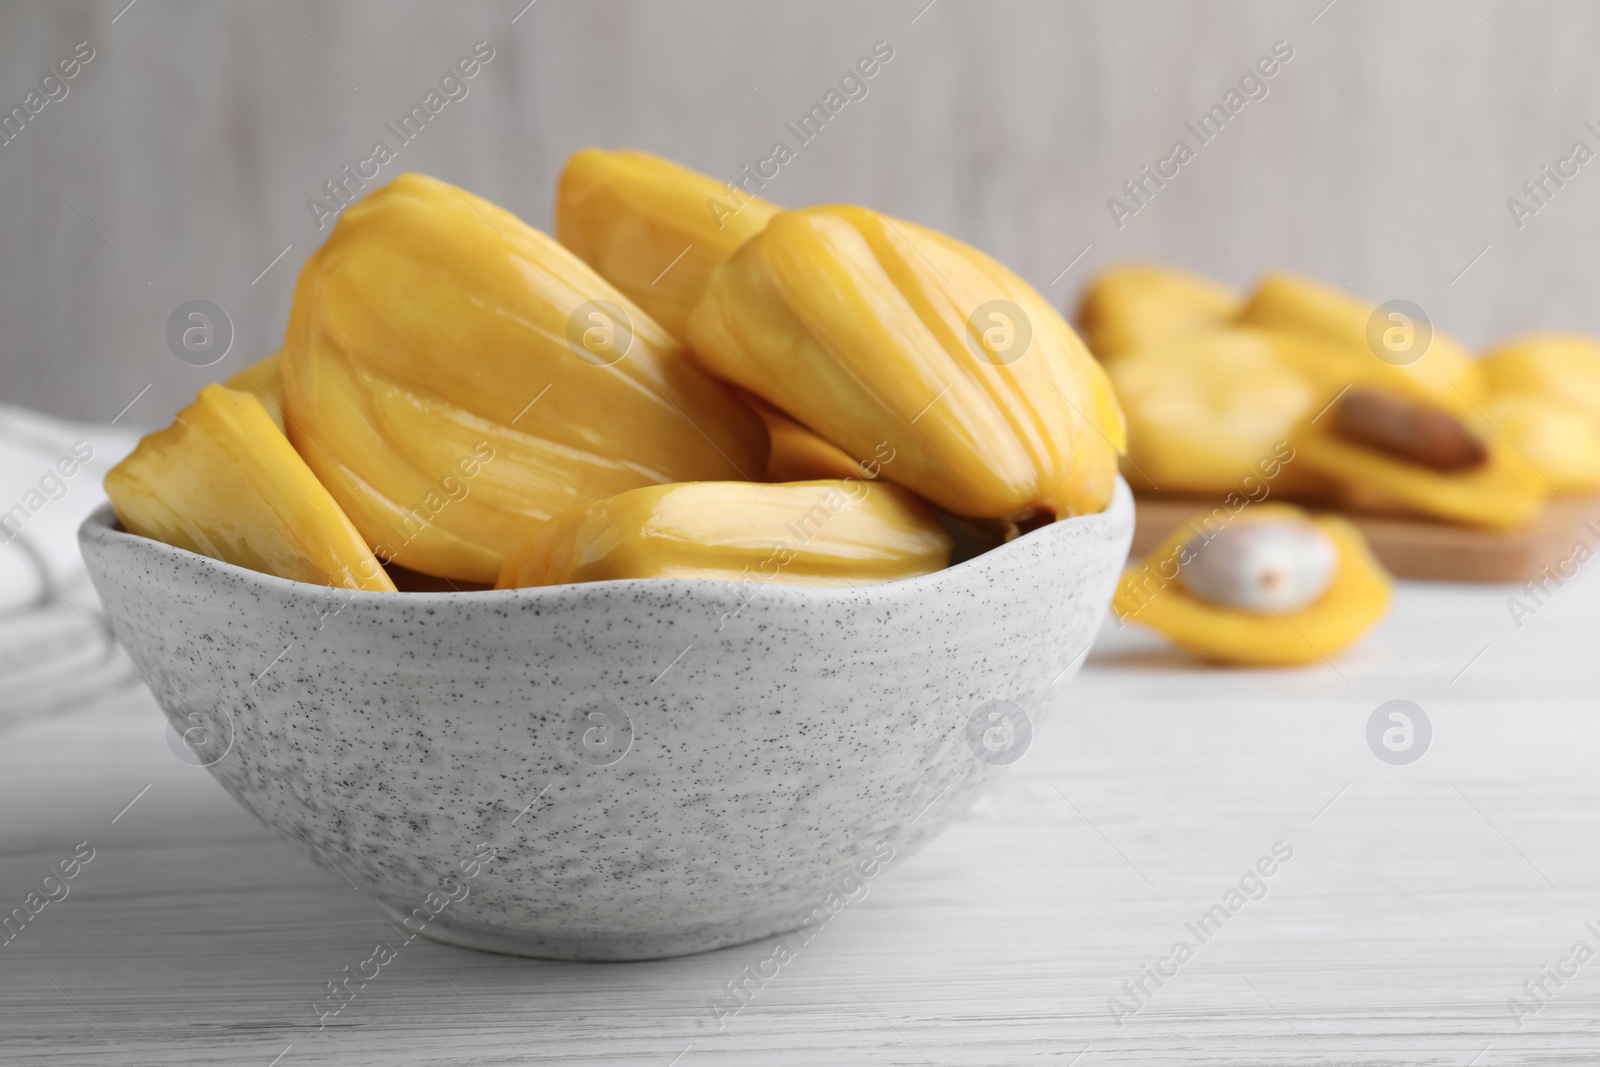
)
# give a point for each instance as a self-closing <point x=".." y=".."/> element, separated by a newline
<point x="196" y="135"/>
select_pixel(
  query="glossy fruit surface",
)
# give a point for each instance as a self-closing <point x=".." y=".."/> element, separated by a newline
<point x="1131" y="307"/>
<point x="1152" y="593"/>
<point x="1397" y="339"/>
<point x="652" y="228"/>
<point x="224" y="482"/>
<point x="829" y="532"/>
<point x="877" y="333"/>
<point x="455" y="377"/>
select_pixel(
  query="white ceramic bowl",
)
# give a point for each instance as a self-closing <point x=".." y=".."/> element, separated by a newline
<point x="617" y="770"/>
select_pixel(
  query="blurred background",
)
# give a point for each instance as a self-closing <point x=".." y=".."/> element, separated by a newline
<point x="180" y="162"/>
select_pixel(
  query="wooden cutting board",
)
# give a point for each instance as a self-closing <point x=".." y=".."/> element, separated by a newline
<point x="1417" y="548"/>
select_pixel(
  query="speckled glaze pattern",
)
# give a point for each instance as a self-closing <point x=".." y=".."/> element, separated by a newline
<point x="768" y="739"/>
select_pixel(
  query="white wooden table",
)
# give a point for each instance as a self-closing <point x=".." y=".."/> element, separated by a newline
<point x="1418" y="901"/>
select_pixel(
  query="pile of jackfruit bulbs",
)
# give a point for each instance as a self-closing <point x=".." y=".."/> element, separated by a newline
<point x="1347" y="404"/>
<point x="686" y="381"/>
<point x="1304" y="394"/>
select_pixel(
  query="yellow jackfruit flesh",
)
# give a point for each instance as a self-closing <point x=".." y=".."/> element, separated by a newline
<point x="1501" y="490"/>
<point x="223" y="481"/>
<point x="652" y="228"/>
<point x="1130" y="307"/>
<point x="828" y="532"/>
<point x="455" y="377"/>
<point x="1562" y="366"/>
<point x="1206" y="412"/>
<point x="265" y="380"/>
<point x="1445" y="370"/>
<point x="881" y="335"/>
<point x="1152" y="592"/>
<point x="1561" y="440"/>
<point x="797" y="454"/>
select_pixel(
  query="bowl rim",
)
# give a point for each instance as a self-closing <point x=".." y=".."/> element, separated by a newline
<point x="102" y="525"/>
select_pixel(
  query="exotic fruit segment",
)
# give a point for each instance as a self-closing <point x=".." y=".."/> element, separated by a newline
<point x="1207" y="411"/>
<point x="1395" y="336"/>
<point x="1267" y="586"/>
<point x="652" y="228"/>
<point x="876" y="333"/>
<point x="265" y="380"/>
<point x="454" y="377"/>
<point x="1210" y="412"/>
<point x="1544" y="395"/>
<point x="1385" y="452"/>
<point x="830" y="532"/>
<point x="224" y="482"/>
<point x="797" y="454"/>
<point x="1561" y="440"/>
<point x="1131" y="307"/>
<point x="1560" y="366"/>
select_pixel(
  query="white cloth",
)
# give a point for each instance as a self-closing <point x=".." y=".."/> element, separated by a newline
<point x="55" y="652"/>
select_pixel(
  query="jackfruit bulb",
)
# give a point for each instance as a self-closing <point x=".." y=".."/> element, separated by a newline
<point x="877" y="333"/>
<point x="224" y="482"/>
<point x="826" y="532"/>
<point x="455" y="377"/>
<point x="652" y="228"/>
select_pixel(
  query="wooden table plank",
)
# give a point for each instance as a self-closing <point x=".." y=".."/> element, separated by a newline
<point x="1416" y="903"/>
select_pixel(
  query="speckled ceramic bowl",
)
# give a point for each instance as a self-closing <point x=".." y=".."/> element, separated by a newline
<point x="618" y="770"/>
